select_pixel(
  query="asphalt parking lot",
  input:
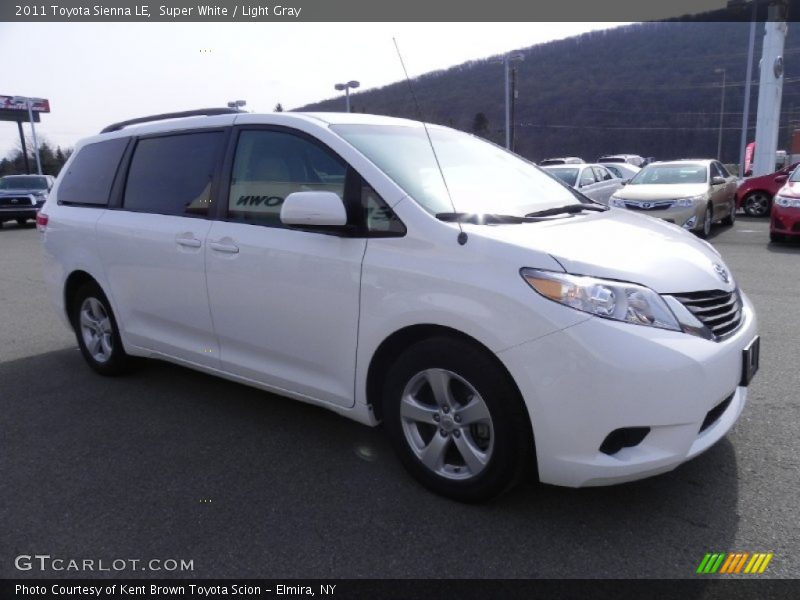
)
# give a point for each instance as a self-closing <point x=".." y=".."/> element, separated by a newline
<point x="170" y="463"/>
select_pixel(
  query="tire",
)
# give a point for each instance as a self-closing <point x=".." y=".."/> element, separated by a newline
<point x="705" y="228"/>
<point x="731" y="218"/>
<point x="97" y="332"/>
<point x="757" y="204"/>
<point x="470" y="461"/>
<point x="776" y="238"/>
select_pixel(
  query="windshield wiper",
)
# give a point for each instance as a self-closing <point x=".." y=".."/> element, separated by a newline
<point x="568" y="208"/>
<point x="482" y="219"/>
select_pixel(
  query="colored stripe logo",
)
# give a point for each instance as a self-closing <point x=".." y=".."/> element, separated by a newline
<point x="734" y="563"/>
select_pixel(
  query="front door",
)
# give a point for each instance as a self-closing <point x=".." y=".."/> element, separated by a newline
<point x="284" y="302"/>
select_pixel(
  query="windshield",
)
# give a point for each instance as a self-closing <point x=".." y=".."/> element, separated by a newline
<point x="482" y="178"/>
<point x="670" y="174"/>
<point x="23" y="182"/>
<point x="568" y="176"/>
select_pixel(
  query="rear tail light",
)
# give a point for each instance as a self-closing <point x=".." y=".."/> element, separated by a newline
<point x="41" y="221"/>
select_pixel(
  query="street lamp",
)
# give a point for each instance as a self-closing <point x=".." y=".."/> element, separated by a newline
<point x="721" y="113"/>
<point x="237" y="104"/>
<point x="346" y="87"/>
<point x="507" y="60"/>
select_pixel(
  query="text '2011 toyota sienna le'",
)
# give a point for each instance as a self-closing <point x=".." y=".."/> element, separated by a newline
<point x="497" y="322"/>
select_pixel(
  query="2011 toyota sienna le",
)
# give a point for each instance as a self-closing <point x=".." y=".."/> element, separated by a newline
<point x="496" y="321"/>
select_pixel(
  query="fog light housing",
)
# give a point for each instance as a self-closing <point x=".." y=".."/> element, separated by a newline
<point x="690" y="223"/>
<point x="627" y="437"/>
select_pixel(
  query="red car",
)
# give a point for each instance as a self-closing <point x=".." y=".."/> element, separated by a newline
<point x="785" y="217"/>
<point x="755" y="194"/>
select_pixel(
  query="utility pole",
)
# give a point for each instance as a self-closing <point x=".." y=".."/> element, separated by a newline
<point x="721" y="113"/>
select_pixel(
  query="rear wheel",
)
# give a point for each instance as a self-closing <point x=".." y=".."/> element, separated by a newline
<point x="97" y="332"/>
<point x="456" y="420"/>
<point x="731" y="218"/>
<point x="757" y="204"/>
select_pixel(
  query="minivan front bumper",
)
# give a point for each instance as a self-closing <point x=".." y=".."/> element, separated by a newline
<point x="584" y="382"/>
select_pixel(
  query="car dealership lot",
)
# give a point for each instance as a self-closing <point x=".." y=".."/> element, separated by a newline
<point x="169" y="463"/>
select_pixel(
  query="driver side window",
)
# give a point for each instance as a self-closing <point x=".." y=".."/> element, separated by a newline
<point x="270" y="165"/>
<point x="587" y="177"/>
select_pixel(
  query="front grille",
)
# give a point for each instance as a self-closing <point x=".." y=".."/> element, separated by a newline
<point x="14" y="201"/>
<point x="659" y="205"/>
<point x="720" y="311"/>
<point x="715" y="413"/>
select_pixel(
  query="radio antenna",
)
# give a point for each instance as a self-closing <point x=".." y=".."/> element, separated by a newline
<point x="462" y="236"/>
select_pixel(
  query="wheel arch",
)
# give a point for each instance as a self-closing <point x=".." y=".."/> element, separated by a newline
<point x="404" y="338"/>
<point x="73" y="282"/>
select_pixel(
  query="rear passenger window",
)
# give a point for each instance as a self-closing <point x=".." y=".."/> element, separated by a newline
<point x="270" y="165"/>
<point x="91" y="173"/>
<point x="172" y="175"/>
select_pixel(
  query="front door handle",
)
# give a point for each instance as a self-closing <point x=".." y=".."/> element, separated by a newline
<point x="227" y="247"/>
<point x="188" y="241"/>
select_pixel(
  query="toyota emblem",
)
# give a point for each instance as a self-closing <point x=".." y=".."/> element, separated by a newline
<point x="722" y="272"/>
<point x="646" y="205"/>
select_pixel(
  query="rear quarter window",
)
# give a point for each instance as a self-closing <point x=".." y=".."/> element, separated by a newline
<point x="91" y="173"/>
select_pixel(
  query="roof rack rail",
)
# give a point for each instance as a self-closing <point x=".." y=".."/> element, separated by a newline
<point x="206" y="112"/>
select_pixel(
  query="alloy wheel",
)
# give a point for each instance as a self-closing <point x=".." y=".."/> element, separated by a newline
<point x="96" y="329"/>
<point x="756" y="204"/>
<point x="447" y="424"/>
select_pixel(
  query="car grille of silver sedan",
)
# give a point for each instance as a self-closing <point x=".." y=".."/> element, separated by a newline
<point x="654" y="205"/>
<point x="719" y="311"/>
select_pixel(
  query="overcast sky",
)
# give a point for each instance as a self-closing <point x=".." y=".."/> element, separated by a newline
<point x="96" y="74"/>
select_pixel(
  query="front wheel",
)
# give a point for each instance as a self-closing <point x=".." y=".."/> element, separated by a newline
<point x="97" y="332"/>
<point x="456" y="420"/>
<point x="708" y="217"/>
<point x="756" y="204"/>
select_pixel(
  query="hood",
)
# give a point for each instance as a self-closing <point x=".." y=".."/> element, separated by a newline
<point x="663" y="191"/>
<point x="619" y="244"/>
<point x="791" y="189"/>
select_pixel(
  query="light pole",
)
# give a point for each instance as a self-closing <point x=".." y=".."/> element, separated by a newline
<point x="721" y="113"/>
<point x="507" y="60"/>
<point x="237" y="104"/>
<point x="346" y="87"/>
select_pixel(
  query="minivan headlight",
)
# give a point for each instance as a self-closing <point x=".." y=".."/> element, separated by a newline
<point x="787" y="202"/>
<point x="618" y="300"/>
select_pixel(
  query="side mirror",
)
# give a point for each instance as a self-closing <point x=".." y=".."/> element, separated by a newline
<point x="717" y="180"/>
<point x="626" y="181"/>
<point x="781" y="178"/>
<point x="313" y="209"/>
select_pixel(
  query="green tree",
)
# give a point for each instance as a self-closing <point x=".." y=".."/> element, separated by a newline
<point x="278" y="107"/>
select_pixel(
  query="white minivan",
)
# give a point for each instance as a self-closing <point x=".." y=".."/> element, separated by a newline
<point x="497" y="322"/>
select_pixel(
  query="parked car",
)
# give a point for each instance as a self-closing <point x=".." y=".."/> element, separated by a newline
<point x="632" y="159"/>
<point x="498" y="323"/>
<point x="593" y="181"/>
<point x="755" y="194"/>
<point x="624" y="171"/>
<point x="568" y="160"/>
<point x="21" y="196"/>
<point x="785" y="217"/>
<point x="690" y="193"/>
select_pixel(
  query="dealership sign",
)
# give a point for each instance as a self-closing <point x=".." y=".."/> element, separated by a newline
<point x="41" y="105"/>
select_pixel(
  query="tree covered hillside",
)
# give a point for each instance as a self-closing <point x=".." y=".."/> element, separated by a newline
<point x="648" y="89"/>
